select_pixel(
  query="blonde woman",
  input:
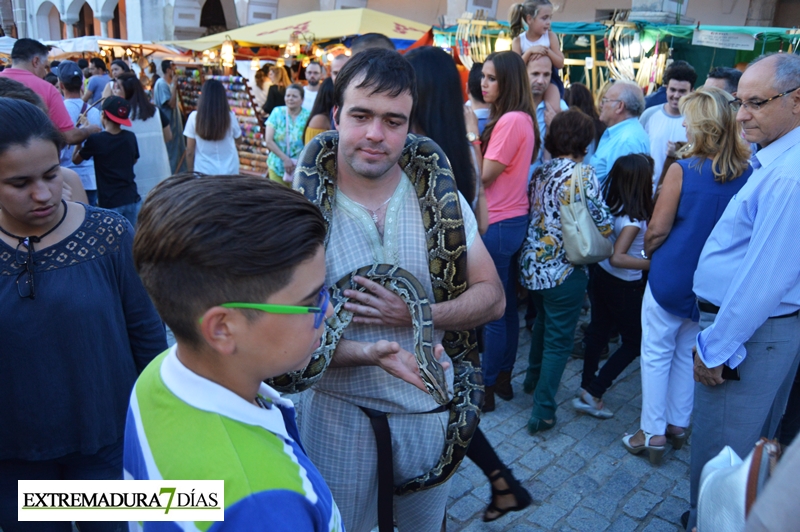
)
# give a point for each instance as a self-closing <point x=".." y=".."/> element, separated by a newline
<point x="695" y="192"/>
<point x="277" y="91"/>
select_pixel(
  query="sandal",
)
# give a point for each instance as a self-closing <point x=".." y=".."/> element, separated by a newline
<point x="678" y="440"/>
<point x="656" y="452"/>
<point x="587" y="404"/>
<point x="521" y="495"/>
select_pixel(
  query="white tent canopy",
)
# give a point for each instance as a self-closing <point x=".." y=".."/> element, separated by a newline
<point x="6" y="44"/>
<point x="94" y="45"/>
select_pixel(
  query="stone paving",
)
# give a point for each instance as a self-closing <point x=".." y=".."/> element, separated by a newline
<point x="580" y="476"/>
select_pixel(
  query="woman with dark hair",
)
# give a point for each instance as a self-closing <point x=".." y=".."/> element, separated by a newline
<point x="556" y="286"/>
<point x="118" y="67"/>
<point x="284" y="135"/>
<point x="616" y="285"/>
<point x="320" y="120"/>
<point x="64" y="383"/>
<point x="509" y="142"/>
<point x="151" y="128"/>
<point x="277" y="91"/>
<point x="439" y="115"/>
<point x="579" y="96"/>
<point x="210" y="132"/>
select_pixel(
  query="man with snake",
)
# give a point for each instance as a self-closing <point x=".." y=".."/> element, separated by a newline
<point x="378" y="178"/>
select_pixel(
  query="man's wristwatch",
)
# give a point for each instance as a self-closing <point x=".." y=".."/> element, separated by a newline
<point x="644" y="255"/>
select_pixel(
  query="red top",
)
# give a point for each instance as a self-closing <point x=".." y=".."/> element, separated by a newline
<point x="52" y="98"/>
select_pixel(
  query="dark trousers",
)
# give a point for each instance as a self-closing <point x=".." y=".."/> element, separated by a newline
<point x="106" y="464"/>
<point x="481" y="452"/>
<point x="790" y="424"/>
<point x="616" y="306"/>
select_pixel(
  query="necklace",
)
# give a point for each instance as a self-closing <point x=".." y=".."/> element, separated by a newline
<point x="25" y="286"/>
<point x="29" y="241"/>
<point x="373" y="213"/>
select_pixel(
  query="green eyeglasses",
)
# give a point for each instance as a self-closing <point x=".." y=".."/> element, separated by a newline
<point x="319" y="310"/>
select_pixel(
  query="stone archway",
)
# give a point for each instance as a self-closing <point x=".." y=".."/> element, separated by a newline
<point x="48" y="22"/>
<point x="110" y="10"/>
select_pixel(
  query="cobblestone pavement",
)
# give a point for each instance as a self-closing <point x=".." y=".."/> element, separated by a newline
<point x="580" y="476"/>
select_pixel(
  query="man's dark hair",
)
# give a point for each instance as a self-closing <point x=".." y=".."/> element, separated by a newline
<point x="384" y="71"/>
<point x="54" y="64"/>
<point x="730" y="75"/>
<point x="680" y="71"/>
<point x="51" y="78"/>
<point x="166" y="64"/>
<point x="83" y="63"/>
<point x="25" y="50"/>
<point x="314" y="63"/>
<point x="371" y="40"/>
<point x="99" y="63"/>
<point x="207" y="240"/>
<point x="474" y="81"/>
<point x="570" y="133"/>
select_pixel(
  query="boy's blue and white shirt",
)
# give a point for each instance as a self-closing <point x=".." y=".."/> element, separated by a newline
<point x="182" y="426"/>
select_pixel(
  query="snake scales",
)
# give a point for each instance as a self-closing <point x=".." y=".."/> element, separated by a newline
<point x="427" y="167"/>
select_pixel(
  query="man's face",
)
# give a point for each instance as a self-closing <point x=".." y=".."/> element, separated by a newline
<point x="774" y="119"/>
<point x="539" y="74"/>
<point x="675" y="91"/>
<point x="372" y="130"/>
<point x="610" y="106"/>
<point x="313" y="74"/>
<point x="337" y="64"/>
<point x="716" y="82"/>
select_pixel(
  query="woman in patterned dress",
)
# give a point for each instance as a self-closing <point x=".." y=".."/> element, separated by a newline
<point x="556" y="285"/>
<point x="284" y="136"/>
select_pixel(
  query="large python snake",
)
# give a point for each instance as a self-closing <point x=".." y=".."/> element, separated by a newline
<point x="429" y="171"/>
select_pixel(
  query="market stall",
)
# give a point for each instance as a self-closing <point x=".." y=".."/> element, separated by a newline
<point x="639" y="51"/>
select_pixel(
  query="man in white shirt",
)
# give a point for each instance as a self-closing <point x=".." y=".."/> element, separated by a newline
<point x="664" y="123"/>
<point x="313" y="76"/>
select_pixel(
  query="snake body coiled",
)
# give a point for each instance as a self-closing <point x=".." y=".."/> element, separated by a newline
<point x="429" y="171"/>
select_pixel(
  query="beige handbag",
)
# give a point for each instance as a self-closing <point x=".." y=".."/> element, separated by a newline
<point x="583" y="241"/>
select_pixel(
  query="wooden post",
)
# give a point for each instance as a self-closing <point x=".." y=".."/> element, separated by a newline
<point x="593" y="44"/>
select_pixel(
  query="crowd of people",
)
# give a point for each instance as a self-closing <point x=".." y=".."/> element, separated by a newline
<point x="696" y="193"/>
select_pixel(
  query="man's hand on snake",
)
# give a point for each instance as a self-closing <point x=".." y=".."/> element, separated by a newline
<point x="378" y="306"/>
<point x="400" y="363"/>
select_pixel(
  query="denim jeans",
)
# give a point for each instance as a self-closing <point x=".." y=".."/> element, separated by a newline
<point x="91" y="195"/>
<point x="616" y="306"/>
<point x="105" y="464"/>
<point x="129" y="211"/>
<point x="503" y="241"/>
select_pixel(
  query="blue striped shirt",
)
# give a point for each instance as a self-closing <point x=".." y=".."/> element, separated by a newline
<point x="750" y="265"/>
<point x="617" y="141"/>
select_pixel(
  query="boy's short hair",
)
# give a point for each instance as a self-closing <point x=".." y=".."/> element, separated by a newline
<point x="207" y="240"/>
<point x="680" y="71"/>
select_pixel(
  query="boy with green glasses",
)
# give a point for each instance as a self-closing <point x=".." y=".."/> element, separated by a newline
<point x="235" y="266"/>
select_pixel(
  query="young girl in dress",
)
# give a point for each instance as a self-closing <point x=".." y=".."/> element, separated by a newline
<point x="538" y="40"/>
<point x="616" y="285"/>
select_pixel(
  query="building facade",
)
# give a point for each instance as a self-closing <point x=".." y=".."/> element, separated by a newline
<point x="158" y="20"/>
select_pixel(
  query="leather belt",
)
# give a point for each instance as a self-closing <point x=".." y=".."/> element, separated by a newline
<point x="710" y="308"/>
<point x="383" y="441"/>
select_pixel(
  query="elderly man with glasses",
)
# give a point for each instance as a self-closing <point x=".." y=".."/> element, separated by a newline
<point x="748" y="279"/>
<point x="620" y="111"/>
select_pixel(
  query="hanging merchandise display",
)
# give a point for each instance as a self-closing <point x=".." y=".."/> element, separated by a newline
<point x="251" y="145"/>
